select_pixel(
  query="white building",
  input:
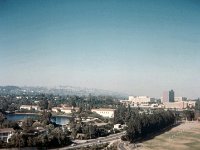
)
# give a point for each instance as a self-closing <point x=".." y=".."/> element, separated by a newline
<point x="141" y="99"/>
<point x="125" y="102"/>
<point x="117" y="126"/>
<point x="56" y="109"/>
<point x="29" y="107"/>
<point x="69" y="110"/>
<point x="66" y="110"/>
<point x="6" y="133"/>
<point x="108" y="113"/>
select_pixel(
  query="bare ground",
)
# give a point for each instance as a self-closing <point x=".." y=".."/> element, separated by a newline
<point x="183" y="137"/>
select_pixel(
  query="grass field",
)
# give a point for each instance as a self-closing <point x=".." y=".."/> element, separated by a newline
<point x="183" y="137"/>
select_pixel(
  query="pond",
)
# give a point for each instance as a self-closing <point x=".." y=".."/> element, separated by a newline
<point x="61" y="120"/>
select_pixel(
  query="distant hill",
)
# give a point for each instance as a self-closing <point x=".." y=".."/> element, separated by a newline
<point x="59" y="90"/>
<point x="9" y="89"/>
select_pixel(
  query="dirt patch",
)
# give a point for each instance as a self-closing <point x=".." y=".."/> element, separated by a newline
<point x="183" y="137"/>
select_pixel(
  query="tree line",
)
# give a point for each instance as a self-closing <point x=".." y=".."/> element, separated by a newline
<point x="140" y="124"/>
<point x="47" y="101"/>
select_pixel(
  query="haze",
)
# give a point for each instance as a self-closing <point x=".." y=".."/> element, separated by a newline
<point x="140" y="47"/>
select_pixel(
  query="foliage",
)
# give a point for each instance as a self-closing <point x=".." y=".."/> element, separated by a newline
<point x="197" y="105"/>
<point x="45" y="117"/>
<point x="189" y="115"/>
<point x="54" y="137"/>
<point x="2" y="118"/>
<point x="13" y="102"/>
<point x="28" y="136"/>
<point x="140" y="125"/>
<point x="43" y="103"/>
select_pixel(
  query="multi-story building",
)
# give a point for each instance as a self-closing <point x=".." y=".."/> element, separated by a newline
<point x="6" y="133"/>
<point x="108" y="113"/>
<point x="180" y="99"/>
<point x="165" y="97"/>
<point x="140" y="99"/>
<point x="168" y="96"/>
<point x="29" y="107"/>
<point x="171" y="96"/>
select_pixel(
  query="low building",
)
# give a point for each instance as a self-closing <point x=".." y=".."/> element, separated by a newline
<point x="66" y="110"/>
<point x="69" y="110"/>
<point x="125" y="102"/>
<point x="176" y="105"/>
<point x="56" y="109"/>
<point x="102" y="124"/>
<point x="108" y="113"/>
<point x="117" y="126"/>
<point x="6" y="133"/>
<point x="30" y="107"/>
<point x="180" y="105"/>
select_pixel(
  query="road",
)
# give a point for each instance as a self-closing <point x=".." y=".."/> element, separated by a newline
<point x="100" y="140"/>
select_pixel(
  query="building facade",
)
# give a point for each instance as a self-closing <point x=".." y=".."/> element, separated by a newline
<point x="171" y="96"/>
<point x="108" y="113"/>
<point x="67" y="110"/>
<point x="168" y="96"/>
<point x="141" y="99"/>
<point x="6" y="133"/>
<point x="180" y="99"/>
<point x="175" y="105"/>
<point x="29" y="107"/>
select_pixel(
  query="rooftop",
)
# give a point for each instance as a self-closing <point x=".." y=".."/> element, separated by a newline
<point x="6" y="130"/>
<point x="29" y="106"/>
<point x="103" y="109"/>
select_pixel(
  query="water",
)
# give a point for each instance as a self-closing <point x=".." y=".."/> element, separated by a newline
<point x="61" y="120"/>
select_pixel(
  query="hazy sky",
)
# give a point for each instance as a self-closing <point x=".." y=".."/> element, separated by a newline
<point x="141" y="47"/>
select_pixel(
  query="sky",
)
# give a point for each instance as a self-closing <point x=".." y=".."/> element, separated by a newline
<point x="139" y="47"/>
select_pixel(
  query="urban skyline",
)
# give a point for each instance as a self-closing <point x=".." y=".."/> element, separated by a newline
<point x="137" y="47"/>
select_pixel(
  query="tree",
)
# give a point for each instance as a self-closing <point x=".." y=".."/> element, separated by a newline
<point x="197" y="105"/>
<point x="43" y="103"/>
<point x="73" y="103"/>
<point x="140" y="125"/>
<point x="30" y="142"/>
<point x="189" y="114"/>
<point x="17" y="140"/>
<point x="12" y="107"/>
<point x="2" y="118"/>
<point x="58" y="137"/>
<point x="45" y="117"/>
<point x="50" y="105"/>
<point x="10" y="124"/>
